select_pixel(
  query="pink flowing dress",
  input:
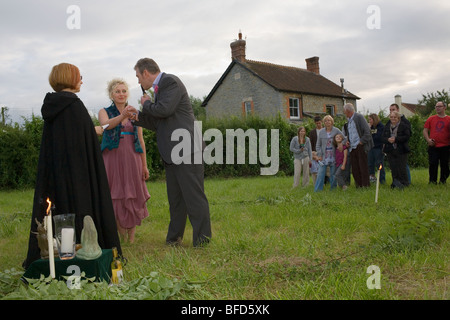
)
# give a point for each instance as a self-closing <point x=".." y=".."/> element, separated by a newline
<point x="128" y="189"/>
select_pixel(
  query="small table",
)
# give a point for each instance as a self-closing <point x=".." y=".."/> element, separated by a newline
<point x="99" y="268"/>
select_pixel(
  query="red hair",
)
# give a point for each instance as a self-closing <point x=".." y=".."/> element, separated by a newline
<point x="64" y="76"/>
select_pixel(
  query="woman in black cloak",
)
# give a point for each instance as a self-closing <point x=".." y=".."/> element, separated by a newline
<point x="71" y="172"/>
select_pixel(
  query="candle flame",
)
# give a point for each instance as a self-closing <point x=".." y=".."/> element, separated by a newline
<point x="49" y="205"/>
<point x="381" y="166"/>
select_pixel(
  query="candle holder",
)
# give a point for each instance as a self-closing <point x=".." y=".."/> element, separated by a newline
<point x="65" y="235"/>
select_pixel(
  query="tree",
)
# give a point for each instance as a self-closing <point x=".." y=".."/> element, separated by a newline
<point x="4" y="116"/>
<point x="199" y="111"/>
<point x="430" y="99"/>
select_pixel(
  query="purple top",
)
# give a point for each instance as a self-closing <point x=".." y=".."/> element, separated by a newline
<point x="339" y="157"/>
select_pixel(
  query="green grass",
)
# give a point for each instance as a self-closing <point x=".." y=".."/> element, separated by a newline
<point x="274" y="242"/>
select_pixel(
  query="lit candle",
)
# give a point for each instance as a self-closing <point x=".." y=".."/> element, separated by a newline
<point x="51" y="257"/>
<point x="378" y="183"/>
<point x="67" y="240"/>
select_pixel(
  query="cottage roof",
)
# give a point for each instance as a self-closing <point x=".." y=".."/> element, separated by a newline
<point x="289" y="79"/>
<point x="414" y="108"/>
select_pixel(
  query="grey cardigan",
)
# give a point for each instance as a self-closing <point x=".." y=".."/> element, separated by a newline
<point x="322" y="139"/>
<point x="297" y="150"/>
<point x="363" y="128"/>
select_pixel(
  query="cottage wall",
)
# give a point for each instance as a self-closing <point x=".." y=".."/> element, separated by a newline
<point x="238" y="87"/>
<point x="318" y="104"/>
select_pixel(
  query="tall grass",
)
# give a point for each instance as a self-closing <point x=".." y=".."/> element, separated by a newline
<point x="274" y="242"/>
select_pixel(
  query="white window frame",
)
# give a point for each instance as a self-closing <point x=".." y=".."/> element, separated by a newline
<point x="293" y="107"/>
<point x="248" y="107"/>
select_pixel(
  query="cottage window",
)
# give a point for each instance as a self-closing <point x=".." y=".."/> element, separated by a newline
<point x="294" y="111"/>
<point x="247" y="108"/>
<point x="330" y="109"/>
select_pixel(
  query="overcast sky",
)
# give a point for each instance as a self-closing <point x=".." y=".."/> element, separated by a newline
<point x="380" y="48"/>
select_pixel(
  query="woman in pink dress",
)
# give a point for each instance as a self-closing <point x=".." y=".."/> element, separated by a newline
<point x="125" y="161"/>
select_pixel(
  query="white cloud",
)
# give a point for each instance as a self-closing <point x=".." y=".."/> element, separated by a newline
<point x="407" y="55"/>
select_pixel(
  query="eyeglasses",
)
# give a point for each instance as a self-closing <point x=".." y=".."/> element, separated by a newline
<point x="439" y="106"/>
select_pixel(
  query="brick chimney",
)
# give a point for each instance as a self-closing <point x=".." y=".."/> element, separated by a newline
<point x="312" y="64"/>
<point x="238" y="49"/>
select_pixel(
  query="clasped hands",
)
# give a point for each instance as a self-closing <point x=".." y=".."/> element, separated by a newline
<point x="131" y="112"/>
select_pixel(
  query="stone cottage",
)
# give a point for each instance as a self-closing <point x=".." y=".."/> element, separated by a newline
<point x="266" y="90"/>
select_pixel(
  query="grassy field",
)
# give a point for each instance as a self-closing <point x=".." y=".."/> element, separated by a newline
<point x="274" y="242"/>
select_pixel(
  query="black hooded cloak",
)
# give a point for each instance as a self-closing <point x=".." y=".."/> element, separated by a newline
<point x="71" y="172"/>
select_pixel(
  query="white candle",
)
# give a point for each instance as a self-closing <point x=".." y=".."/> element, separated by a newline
<point x="378" y="184"/>
<point x="67" y="240"/>
<point x="51" y="257"/>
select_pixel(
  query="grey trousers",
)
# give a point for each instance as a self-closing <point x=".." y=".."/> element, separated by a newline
<point x="185" y="191"/>
<point x="341" y="175"/>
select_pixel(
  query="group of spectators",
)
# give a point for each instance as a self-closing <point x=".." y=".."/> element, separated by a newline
<point x="331" y="155"/>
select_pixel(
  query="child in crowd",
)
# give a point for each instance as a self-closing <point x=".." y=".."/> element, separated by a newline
<point x="341" y="160"/>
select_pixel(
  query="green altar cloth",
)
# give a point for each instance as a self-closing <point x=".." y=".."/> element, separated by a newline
<point x="99" y="268"/>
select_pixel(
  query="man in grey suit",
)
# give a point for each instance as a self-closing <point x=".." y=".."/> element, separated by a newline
<point x="359" y="142"/>
<point x="172" y="111"/>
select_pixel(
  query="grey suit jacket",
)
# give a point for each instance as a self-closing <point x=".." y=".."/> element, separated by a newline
<point x="171" y="110"/>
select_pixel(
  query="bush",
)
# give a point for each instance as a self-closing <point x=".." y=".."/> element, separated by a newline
<point x="286" y="132"/>
<point x="19" y="153"/>
<point x="418" y="156"/>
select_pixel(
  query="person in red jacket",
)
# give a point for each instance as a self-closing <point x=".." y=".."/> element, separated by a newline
<point x="437" y="134"/>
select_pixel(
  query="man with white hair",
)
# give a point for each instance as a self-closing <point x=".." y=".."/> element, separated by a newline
<point x="359" y="142"/>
